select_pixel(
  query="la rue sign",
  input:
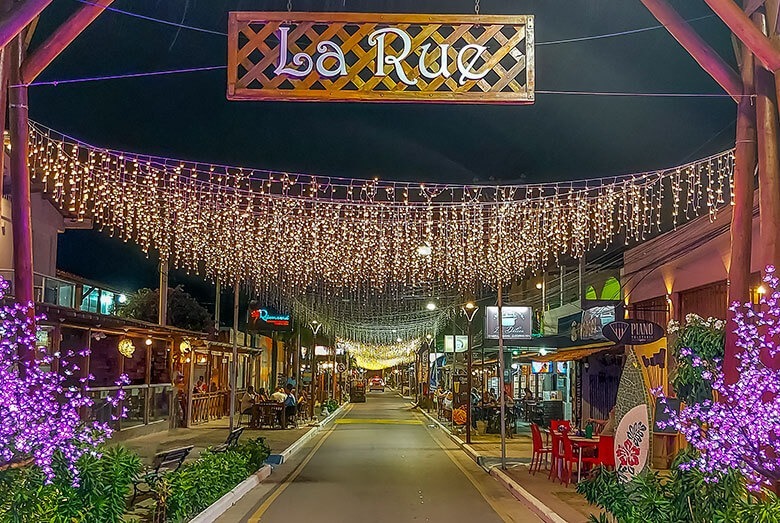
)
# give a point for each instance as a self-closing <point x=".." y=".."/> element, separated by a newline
<point x="374" y="57"/>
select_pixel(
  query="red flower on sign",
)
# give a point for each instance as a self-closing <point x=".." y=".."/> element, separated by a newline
<point x="628" y="454"/>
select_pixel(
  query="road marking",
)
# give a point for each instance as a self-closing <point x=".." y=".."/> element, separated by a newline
<point x="255" y="518"/>
<point x="360" y="421"/>
<point x="507" y="518"/>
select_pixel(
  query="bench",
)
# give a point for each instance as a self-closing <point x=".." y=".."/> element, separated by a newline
<point x="230" y="442"/>
<point x="163" y="462"/>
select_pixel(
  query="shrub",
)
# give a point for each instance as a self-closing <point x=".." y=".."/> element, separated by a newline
<point x="105" y="480"/>
<point x="256" y="452"/>
<point x="685" y="495"/>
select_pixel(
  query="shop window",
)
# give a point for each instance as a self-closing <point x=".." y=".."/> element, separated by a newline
<point x="160" y="371"/>
<point x="590" y="293"/>
<point x="611" y="290"/>
<point x="104" y="360"/>
<point x="90" y="302"/>
<point x="135" y="366"/>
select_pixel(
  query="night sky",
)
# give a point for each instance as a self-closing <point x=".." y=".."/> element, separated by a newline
<point x="557" y="138"/>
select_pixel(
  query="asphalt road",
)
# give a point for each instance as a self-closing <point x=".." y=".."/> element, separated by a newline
<point x="380" y="462"/>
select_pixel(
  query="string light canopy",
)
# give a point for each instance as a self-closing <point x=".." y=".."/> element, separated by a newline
<point x="380" y="356"/>
<point x="294" y="233"/>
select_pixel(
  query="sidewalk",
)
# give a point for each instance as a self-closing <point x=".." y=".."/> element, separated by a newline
<point x="207" y="435"/>
<point x="553" y="502"/>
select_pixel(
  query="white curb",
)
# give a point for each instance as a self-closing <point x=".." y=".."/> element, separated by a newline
<point x="220" y="506"/>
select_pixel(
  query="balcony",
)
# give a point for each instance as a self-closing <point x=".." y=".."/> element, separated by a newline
<point x="73" y="294"/>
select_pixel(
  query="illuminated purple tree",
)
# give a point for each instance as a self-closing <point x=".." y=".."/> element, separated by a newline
<point x="39" y="408"/>
<point x="740" y="429"/>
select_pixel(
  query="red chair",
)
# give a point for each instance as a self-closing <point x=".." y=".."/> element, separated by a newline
<point x="557" y="424"/>
<point x="555" y="453"/>
<point x="540" y="451"/>
<point x="606" y="451"/>
<point x="568" y="458"/>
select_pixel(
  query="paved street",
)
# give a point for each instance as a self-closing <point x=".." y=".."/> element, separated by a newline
<point x="379" y="463"/>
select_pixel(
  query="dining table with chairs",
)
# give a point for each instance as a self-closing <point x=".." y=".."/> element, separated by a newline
<point x="565" y="447"/>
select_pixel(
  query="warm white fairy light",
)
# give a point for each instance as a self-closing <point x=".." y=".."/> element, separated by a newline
<point x="377" y="357"/>
<point x="293" y="234"/>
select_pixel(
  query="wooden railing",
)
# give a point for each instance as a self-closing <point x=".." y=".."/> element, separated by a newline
<point x="208" y="406"/>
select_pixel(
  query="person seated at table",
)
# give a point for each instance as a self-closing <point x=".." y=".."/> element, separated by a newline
<point x="290" y="405"/>
<point x="303" y="403"/>
<point x="604" y="427"/>
<point x="262" y="395"/>
<point x="279" y="395"/>
<point x="487" y="400"/>
<point x="248" y="400"/>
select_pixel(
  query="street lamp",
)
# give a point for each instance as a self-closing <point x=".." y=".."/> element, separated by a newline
<point x="315" y="328"/>
<point x="428" y="341"/>
<point x="469" y="310"/>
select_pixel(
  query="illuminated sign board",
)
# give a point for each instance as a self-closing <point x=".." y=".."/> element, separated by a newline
<point x="459" y="343"/>
<point x="516" y="323"/>
<point x="264" y="319"/>
<point x="380" y="57"/>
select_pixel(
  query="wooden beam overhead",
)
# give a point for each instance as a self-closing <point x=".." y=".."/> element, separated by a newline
<point x="704" y="55"/>
<point x="37" y="61"/>
<point x="744" y="29"/>
<point x="22" y="14"/>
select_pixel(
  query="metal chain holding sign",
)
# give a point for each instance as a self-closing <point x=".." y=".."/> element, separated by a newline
<point x="476" y="7"/>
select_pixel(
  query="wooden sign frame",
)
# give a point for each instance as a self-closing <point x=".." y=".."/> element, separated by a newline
<point x="334" y="57"/>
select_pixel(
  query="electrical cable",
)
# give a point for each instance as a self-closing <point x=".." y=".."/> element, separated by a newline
<point x="152" y="19"/>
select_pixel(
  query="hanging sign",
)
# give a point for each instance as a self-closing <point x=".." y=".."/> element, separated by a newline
<point x="516" y="323"/>
<point x="633" y="332"/>
<point x="380" y="57"/>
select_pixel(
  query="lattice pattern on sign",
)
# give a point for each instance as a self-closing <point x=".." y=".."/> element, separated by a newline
<point x="503" y="62"/>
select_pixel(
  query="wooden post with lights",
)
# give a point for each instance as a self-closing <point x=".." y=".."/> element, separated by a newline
<point x="469" y="310"/>
<point x="502" y="393"/>
<point x="21" y="210"/>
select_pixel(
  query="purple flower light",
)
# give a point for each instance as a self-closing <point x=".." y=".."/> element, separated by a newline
<point x="741" y="431"/>
<point x="39" y="411"/>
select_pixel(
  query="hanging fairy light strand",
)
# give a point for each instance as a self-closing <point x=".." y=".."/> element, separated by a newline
<point x="380" y="356"/>
<point x="291" y="234"/>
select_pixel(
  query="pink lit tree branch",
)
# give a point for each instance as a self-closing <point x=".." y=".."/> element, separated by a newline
<point x="740" y="428"/>
<point x="39" y="408"/>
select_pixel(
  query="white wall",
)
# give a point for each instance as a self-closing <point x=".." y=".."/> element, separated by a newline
<point x="47" y="224"/>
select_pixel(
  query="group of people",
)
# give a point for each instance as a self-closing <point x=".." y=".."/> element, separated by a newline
<point x="283" y="395"/>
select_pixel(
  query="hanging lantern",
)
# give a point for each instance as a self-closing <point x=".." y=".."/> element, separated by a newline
<point x="126" y="347"/>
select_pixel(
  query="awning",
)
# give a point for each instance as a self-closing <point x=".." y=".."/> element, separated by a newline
<point x="575" y="354"/>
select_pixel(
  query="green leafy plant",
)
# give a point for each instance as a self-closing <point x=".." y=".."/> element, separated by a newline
<point x="256" y="451"/>
<point x="183" y="310"/>
<point x="331" y="405"/>
<point x="703" y="339"/>
<point x="105" y="480"/>
<point x="685" y="495"/>
<point x="197" y="485"/>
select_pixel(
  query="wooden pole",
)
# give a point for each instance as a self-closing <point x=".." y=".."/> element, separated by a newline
<point x="704" y="55"/>
<point x="502" y="392"/>
<point x="747" y="32"/>
<point x="742" y="212"/>
<point x="768" y="161"/>
<point x="22" y="14"/>
<point x="21" y="213"/>
<point x="234" y="364"/>
<point x="162" y="305"/>
<point x="60" y="39"/>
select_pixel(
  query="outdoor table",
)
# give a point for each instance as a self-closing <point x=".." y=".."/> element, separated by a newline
<point x="580" y="442"/>
<point x="271" y="411"/>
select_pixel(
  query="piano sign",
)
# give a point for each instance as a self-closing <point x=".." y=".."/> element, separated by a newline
<point x="380" y="57"/>
<point x="633" y="332"/>
<point x="263" y="319"/>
